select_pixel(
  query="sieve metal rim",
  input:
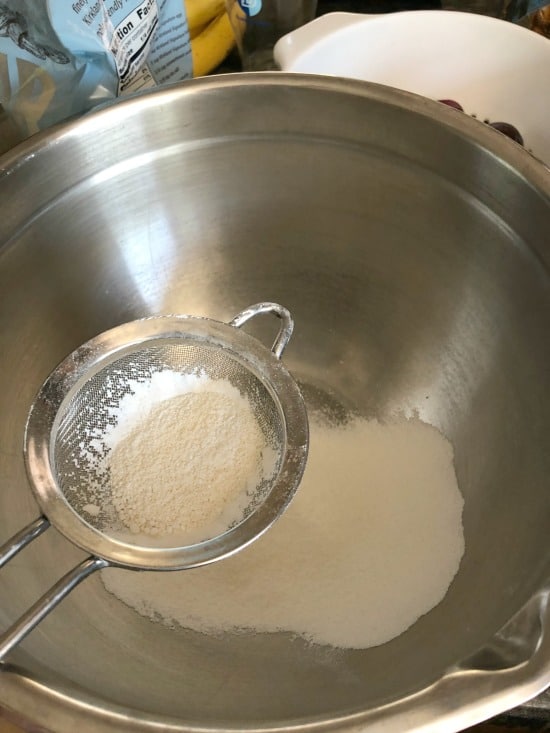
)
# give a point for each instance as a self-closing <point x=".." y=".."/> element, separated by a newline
<point x="107" y="347"/>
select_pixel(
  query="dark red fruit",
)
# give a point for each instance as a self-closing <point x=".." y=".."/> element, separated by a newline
<point x="509" y="130"/>
<point x="452" y="103"/>
<point x="504" y="127"/>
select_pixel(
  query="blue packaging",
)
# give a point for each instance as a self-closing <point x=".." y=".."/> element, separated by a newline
<point x="59" y="58"/>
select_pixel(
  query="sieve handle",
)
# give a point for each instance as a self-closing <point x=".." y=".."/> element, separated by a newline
<point x="36" y="613"/>
<point x="22" y="539"/>
<point x="285" y="329"/>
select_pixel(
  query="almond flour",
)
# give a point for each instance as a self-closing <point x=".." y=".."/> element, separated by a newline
<point x="371" y="542"/>
<point x="181" y="460"/>
<point x="189" y="467"/>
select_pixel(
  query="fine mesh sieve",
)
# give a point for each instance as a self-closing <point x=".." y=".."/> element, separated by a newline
<point x="79" y="453"/>
<point x="65" y="454"/>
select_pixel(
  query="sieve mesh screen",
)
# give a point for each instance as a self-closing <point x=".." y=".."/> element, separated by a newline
<point x="79" y="451"/>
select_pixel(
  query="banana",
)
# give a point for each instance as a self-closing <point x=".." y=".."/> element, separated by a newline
<point x="201" y="12"/>
<point x="211" y="46"/>
<point x="197" y="30"/>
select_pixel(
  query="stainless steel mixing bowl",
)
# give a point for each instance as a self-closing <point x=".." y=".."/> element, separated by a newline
<point x="412" y="245"/>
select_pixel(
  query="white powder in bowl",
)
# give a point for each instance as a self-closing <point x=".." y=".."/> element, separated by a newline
<point x="371" y="541"/>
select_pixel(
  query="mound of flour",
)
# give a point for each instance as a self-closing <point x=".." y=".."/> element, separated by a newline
<point x="182" y="458"/>
<point x="371" y="541"/>
<point x="191" y="466"/>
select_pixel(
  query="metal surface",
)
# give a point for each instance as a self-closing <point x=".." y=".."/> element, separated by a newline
<point x="285" y="330"/>
<point x="411" y="245"/>
<point x="46" y="604"/>
<point x="71" y="410"/>
<point x="22" y="538"/>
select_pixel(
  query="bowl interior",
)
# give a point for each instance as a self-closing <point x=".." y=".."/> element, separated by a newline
<point x="413" y="287"/>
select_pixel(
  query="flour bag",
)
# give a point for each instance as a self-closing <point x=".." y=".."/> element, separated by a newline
<point x="59" y="58"/>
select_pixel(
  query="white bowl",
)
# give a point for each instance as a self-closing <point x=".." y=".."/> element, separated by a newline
<point x="495" y="69"/>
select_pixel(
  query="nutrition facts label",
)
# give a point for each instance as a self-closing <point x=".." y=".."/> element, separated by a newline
<point x="148" y="39"/>
<point x="130" y="45"/>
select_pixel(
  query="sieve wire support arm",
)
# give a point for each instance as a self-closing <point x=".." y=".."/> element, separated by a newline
<point x="36" y="613"/>
<point x="285" y="330"/>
